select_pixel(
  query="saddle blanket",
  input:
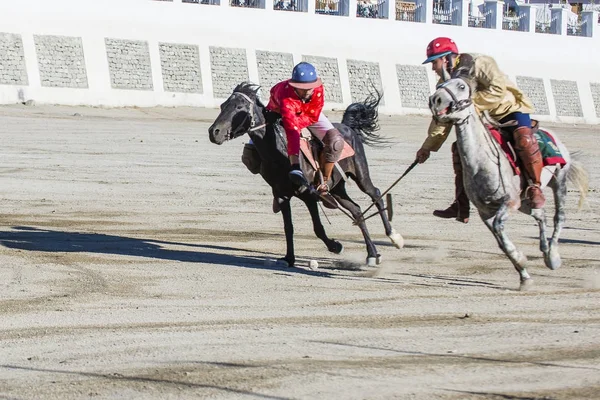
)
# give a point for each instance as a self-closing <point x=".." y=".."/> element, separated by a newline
<point x="551" y="154"/>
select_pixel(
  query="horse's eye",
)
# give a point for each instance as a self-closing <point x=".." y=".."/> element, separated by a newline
<point x="240" y="107"/>
<point x="461" y="87"/>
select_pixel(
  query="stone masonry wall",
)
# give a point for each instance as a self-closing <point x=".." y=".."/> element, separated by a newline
<point x="364" y="79"/>
<point x="534" y="89"/>
<point x="12" y="60"/>
<point x="180" y="65"/>
<point x="129" y="64"/>
<point x="229" y="68"/>
<point x="327" y="69"/>
<point x="414" y="86"/>
<point x="61" y="61"/>
<point x="273" y="67"/>
<point x="595" y="87"/>
<point x="566" y="98"/>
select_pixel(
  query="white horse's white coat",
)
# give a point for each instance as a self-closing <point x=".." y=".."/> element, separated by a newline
<point x="490" y="182"/>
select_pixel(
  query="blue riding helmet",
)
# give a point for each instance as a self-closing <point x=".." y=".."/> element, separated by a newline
<point x="304" y="76"/>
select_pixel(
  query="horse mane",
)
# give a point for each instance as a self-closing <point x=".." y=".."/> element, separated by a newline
<point x="251" y="90"/>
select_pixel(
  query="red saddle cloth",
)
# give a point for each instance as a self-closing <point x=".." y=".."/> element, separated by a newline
<point x="551" y="154"/>
<point x="506" y="147"/>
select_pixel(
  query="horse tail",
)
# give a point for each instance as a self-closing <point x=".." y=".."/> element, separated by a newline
<point x="578" y="176"/>
<point x="363" y="117"/>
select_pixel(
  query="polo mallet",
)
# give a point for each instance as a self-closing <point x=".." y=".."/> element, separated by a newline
<point x="388" y="198"/>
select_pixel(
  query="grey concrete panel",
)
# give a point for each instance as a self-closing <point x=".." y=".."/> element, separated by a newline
<point x="129" y="64"/>
<point x="12" y="60"/>
<point x="229" y="68"/>
<point x="413" y="85"/>
<point x="273" y="67"/>
<point x="566" y="98"/>
<point x="364" y="78"/>
<point x="327" y="69"/>
<point x="595" y="87"/>
<point x="61" y="61"/>
<point x="180" y="64"/>
<point x="534" y="89"/>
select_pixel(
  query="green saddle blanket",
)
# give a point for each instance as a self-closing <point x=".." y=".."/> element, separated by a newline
<point x="550" y="152"/>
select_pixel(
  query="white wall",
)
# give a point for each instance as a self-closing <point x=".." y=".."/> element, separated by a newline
<point x="387" y="42"/>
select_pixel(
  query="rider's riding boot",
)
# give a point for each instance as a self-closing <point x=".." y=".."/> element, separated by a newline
<point x="461" y="206"/>
<point x="323" y="189"/>
<point x="327" y="170"/>
<point x="529" y="153"/>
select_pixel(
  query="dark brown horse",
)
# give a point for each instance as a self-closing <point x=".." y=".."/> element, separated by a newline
<point x="243" y="113"/>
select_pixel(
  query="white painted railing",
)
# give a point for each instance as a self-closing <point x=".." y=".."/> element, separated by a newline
<point x="529" y="17"/>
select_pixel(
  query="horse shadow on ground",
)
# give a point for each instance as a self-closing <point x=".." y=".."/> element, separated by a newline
<point x="115" y="377"/>
<point x="465" y="357"/>
<point x="45" y="240"/>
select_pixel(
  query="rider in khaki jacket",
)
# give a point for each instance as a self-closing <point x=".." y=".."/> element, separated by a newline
<point x="495" y="94"/>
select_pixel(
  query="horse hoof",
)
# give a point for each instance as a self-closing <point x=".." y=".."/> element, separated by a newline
<point x="371" y="261"/>
<point x="284" y="263"/>
<point x="552" y="259"/>
<point x="396" y="239"/>
<point x="336" y="247"/>
<point x="526" y="285"/>
<point x="379" y="259"/>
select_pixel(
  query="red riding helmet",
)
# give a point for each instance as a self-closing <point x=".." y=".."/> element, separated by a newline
<point x="440" y="47"/>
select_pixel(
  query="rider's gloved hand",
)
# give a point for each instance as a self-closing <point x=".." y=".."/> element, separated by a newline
<point x="297" y="176"/>
<point x="271" y="117"/>
<point x="423" y="155"/>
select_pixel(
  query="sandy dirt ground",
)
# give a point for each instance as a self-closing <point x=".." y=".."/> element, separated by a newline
<point x="135" y="264"/>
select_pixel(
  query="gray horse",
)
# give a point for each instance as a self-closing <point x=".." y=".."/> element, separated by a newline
<point x="490" y="182"/>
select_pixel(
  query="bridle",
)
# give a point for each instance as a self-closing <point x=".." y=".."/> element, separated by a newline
<point x="253" y="126"/>
<point x="457" y="105"/>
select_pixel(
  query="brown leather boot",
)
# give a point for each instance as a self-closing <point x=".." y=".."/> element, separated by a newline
<point x="529" y="153"/>
<point x="460" y="209"/>
<point x="327" y="170"/>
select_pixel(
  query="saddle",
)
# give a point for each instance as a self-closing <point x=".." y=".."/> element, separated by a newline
<point x="310" y="149"/>
<point x="551" y="154"/>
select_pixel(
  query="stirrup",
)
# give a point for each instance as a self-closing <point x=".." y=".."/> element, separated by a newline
<point x="323" y="188"/>
<point x="530" y="194"/>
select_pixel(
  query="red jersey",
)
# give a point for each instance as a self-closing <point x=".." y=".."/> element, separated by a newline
<point x="295" y="114"/>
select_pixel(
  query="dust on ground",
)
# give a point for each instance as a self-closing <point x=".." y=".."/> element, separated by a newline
<point x="137" y="261"/>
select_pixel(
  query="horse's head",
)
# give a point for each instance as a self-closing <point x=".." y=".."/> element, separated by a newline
<point x="451" y="101"/>
<point x="237" y="114"/>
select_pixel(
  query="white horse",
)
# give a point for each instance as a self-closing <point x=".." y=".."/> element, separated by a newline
<point x="490" y="182"/>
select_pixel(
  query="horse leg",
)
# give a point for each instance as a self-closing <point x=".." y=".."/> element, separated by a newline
<point x="332" y="245"/>
<point x="364" y="183"/>
<point x="518" y="259"/>
<point x="559" y="187"/>
<point x="540" y="216"/>
<point x="340" y="194"/>
<point x="288" y="227"/>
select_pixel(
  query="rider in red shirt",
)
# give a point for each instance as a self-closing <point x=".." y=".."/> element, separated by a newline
<point x="300" y="102"/>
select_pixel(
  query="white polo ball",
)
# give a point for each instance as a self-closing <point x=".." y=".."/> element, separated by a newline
<point x="313" y="264"/>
